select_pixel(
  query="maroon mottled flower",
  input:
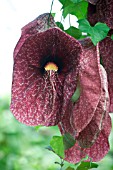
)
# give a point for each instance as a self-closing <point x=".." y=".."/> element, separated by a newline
<point x="46" y="61"/>
<point x="96" y="152"/>
<point x="90" y="86"/>
<point x="106" y="52"/>
<point x="100" y="11"/>
<point x="87" y="120"/>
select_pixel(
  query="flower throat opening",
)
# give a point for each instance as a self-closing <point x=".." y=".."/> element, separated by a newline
<point x="51" y="66"/>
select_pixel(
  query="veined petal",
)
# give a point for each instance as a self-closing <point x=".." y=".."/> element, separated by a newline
<point x="88" y="136"/>
<point x="65" y="124"/>
<point x="102" y="11"/>
<point x="37" y="94"/>
<point x="106" y="52"/>
<point x="92" y="133"/>
<point x="70" y="85"/>
<point x="90" y="85"/>
<point x="96" y="152"/>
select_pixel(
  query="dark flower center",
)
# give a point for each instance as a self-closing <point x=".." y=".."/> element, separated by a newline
<point x="51" y="64"/>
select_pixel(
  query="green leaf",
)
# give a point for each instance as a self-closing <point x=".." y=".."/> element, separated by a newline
<point x="68" y="10"/>
<point x="97" y="33"/>
<point x="60" y="25"/>
<point x="76" y="94"/>
<point x="65" y="3"/>
<point x="74" y="32"/>
<point x="102" y="27"/>
<point x="78" y="9"/>
<point x="84" y="25"/>
<point x="76" y="1"/>
<point x="53" y="14"/>
<point x="68" y="140"/>
<point x="86" y="166"/>
<point x="112" y="36"/>
<point x="57" y="145"/>
<point x="69" y="168"/>
<point x="81" y="9"/>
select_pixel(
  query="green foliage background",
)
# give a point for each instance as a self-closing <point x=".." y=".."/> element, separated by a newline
<point x="78" y="8"/>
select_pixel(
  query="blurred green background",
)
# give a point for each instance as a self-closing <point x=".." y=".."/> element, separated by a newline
<point x="24" y="148"/>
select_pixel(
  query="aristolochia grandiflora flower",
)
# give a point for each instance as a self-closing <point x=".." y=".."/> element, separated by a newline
<point x="102" y="11"/>
<point x="88" y="120"/>
<point x="49" y="66"/>
<point x="46" y="62"/>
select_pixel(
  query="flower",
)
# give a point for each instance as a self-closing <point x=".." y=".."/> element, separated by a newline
<point x="102" y="11"/>
<point x="46" y="62"/>
<point x="88" y="120"/>
<point x="49" y="66"/>
<point x="96" y="152"/>
<point x="106" y="52"/>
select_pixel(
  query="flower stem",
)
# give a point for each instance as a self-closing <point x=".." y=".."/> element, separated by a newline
<point x="61" y="164"/>
<point x="50" y="11"/>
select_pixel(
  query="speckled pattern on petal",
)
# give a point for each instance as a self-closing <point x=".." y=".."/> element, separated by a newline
<point x="102" y="11"/>
<point x="70" y="85"/>
<point x="89" y="135"/>
<point x="37" y="95"/>
<point x="92" y="140"/>
<point x="106" y="52"/>
<point x="96" y="152"/>
<point x="65" y="124"/>
<point x="90" y="85"/>
<point x="78" y="115"/>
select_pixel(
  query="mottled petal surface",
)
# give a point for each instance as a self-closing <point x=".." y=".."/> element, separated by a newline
<point x="96" y="152"/>
<point x="106" y="52"/>
<point x="101" y="12"/>
<point x="70" y="85"/>
<point x="37" y="95"/>
<point x="89" y="135"/>
<point x="90" y="85"/>
<point x="65" y="125"/>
